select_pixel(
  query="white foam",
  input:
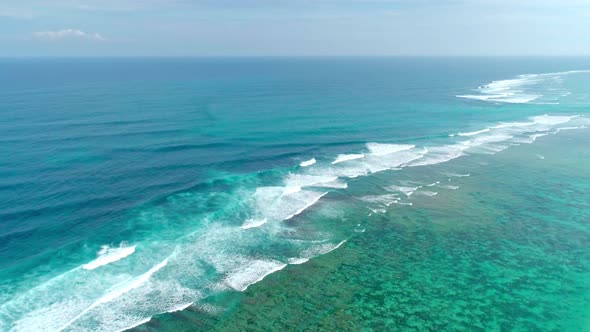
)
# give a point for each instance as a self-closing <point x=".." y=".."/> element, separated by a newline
<point x="311" y="203"/>
<point x="450" y="187"/>
<point x="535" y="136"/>
<point x="540" y="88"/>
<point x="428" y="193"/>
<point x="270" y="203"/>
<point x="512" y="125"/>
<point x="179" y="307"/>
<point x="252" y="273"/>
<point x="291" y="190"/>
<point x="307" y="162"/>
<point x="379" y="149"/>
<point x="507" y="91"/>
<point x="132" y="285"/>
<point x="386" y="200"/>
<point x="457" y="175"/>
<point x="117" y="292"/>
<point x="333" y="184"/>
<point x="404" y="203"/>
<point x="551" y="120"/>
<point x="134" y="324"/>
<point x="391" y="161"/>
<point x="473" y="133"/>
<point x="315" y="251"/>
<point x="408" y="191"/>
<point x="308" y="180"/>
<point x="297" y="260"/>
<point x="347" y="157"/>
<point x="377" y="211"/>
<point x="322" y="249"/>
<point x="569" y="128"/>
<point x="439" y="154"/>
<point x="107" y="255"/>
<point x="253" y="223"/>
<point x="502" y="98"/>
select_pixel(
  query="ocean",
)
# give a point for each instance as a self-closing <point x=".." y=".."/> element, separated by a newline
<point x="330" y="193"/>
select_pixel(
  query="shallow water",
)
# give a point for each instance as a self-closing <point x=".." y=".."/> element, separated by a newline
<point x="132" y="188"/>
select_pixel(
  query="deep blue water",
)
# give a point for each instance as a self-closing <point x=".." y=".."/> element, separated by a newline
<point x="175" y="179"/>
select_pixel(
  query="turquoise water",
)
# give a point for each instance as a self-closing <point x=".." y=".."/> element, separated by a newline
<point x="268" y="193"/>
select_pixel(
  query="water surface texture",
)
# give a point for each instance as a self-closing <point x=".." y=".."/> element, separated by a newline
<point x="295" y="193"/>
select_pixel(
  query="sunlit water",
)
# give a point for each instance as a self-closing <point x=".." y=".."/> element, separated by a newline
<point x="294" y="193"/>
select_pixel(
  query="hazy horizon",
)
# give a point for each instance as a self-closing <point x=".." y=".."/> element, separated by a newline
<point x="298" y="28"/>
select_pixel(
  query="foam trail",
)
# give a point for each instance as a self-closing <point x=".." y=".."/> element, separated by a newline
<point x="291" y="190"/>
<point x="333" y="184"/>
<point x="408" y="191"/>
<point x="306" y="206"/>
<point x="552" y="120"/>
<point x="379" y="149"/>
<point x="307" y="162"/>
<point x="180" y="307"/>
<point x="254" y="272"/>
<point x="386" y="200"/>
<point x="524" y="89"/>
<point x="271" y="203"/>
<point x="118" y="292"/>
<point x="346" y="157"/>
<point x="439" y="154"/>
<point x="306" y="180"/>
<point x="473" y="133"/>
<point x="253" y="223"/>
<point x="450" y="187"/>
<point x="457" y="175"/>
<point x="108" y="255"/>
<point x="297" y="261"/>
<point x="428" y="193"/>
<point x="319" y="250"/>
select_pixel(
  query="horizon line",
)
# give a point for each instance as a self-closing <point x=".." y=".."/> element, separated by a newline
<point x="309" y="56"/>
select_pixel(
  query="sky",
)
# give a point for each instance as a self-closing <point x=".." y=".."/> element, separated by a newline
<point x="293" y="27"/>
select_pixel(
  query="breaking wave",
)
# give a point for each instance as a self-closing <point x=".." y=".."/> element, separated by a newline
<point x="251" y="232"/>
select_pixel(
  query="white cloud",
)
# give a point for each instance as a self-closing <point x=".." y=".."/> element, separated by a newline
<point x="68" y="34"/>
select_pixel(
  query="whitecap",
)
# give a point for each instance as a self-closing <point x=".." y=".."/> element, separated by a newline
<point x="457" y="175"/>
<point x="315" y="251"/>
<point x="251" y="273"/>
<point x="427" y="193"/>
<point x="408" y="191"/>
<point x="291" y="190"/>
<point x="539" y="88"/>
<point x="449" y="187"/>
<point x="386" y="200"/>
<point x="108" y="255"/>
<point x="473" y="133"/>
<point x="347" y="157"/>
<point x="309" y="204"/>
<point x="380" y="149"/>
<point x="118" y="291"/>
<point x="308" y="180"/>
<point x="439" y="154"/>
<point x="253" y="223"/>
<point x="297" y="260"/>
<point x="551" y="120"/>
<point x="270" y="203"/>
<point x="307" y="162"/>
